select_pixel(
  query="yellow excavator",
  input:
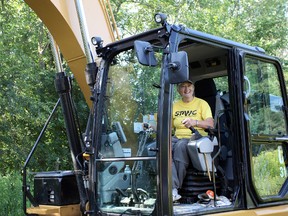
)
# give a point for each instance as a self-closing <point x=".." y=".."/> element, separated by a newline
<point x="122" y="161"/>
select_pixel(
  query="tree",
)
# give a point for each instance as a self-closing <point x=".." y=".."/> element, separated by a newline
<point x="257" y="23"/>
<point x="27" y="91"/>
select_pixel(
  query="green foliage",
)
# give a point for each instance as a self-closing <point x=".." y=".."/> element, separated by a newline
<point x="28" y="93"/>
<point x="11" y="194"/>
<point x="268" y="173"/>
<point x="21" y="93"/>
<point x="257" y="23"/>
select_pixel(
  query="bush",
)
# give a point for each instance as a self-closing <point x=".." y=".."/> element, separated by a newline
<point x="267" y="174"/>
<point x="11" y="195"/>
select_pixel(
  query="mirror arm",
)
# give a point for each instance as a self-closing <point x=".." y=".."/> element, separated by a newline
<point x="150" y="60"/>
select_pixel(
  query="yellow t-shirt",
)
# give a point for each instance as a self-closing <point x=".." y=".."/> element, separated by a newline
<point x="196" y="109"/>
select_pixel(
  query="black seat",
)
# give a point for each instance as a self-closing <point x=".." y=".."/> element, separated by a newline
<point x="206" y="90"/>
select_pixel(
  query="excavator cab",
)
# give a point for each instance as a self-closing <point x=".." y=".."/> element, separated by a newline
<point x="139" y="87"/>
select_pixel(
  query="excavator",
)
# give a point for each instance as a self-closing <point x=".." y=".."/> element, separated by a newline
<point x="122" y="161"/>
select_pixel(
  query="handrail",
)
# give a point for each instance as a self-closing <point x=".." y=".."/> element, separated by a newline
<point x="25" y="187"/>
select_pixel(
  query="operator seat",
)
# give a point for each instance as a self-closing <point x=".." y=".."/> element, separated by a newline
<point x="206" y="89"/>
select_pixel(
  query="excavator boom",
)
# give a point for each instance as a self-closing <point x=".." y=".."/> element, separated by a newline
<point x="60" y="17"/>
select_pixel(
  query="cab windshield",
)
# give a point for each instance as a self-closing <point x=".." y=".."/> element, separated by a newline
<point x="127" y="178"/>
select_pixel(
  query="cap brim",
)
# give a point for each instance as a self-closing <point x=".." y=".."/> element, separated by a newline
<point x="188" y="81"/>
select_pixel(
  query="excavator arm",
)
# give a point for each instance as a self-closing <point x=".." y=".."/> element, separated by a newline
<point x="60" y="18"/>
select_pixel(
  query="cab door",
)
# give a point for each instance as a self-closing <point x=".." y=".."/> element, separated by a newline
<point x="265" y="110"/>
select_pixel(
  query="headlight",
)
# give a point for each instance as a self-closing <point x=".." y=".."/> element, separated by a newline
<point x="160" y="18"/>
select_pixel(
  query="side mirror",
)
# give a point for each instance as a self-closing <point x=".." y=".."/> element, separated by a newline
<point x="178" y="67"/>
<point x="145" y="53"/>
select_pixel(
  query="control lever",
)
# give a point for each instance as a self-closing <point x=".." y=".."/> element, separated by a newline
<point x="195" y="136"/>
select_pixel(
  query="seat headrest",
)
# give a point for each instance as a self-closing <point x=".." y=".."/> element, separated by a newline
<point x="205" y="88"/>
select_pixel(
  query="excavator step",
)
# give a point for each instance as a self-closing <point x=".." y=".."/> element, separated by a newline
<point x="47" y="210"/>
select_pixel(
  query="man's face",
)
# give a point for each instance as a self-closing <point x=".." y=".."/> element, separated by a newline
<point x="186" y="89"/>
